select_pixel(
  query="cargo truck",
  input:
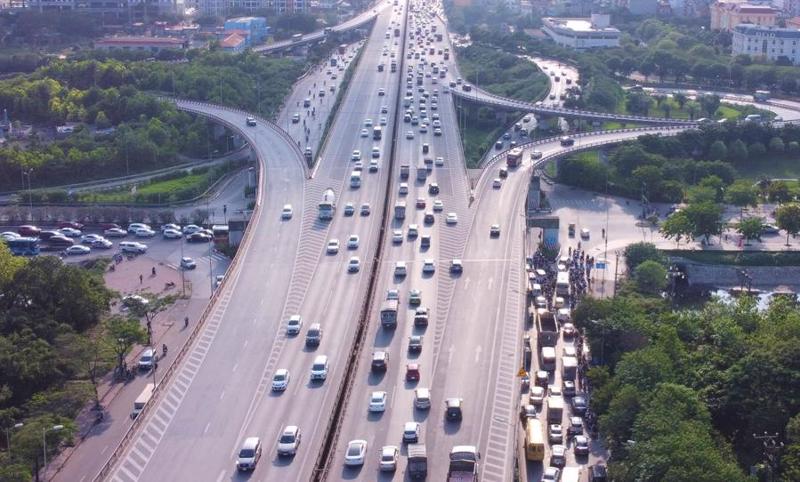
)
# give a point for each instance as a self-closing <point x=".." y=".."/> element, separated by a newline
<point x="417" y="461"/>
<point x="404" y="171"/>
<point x="514" y="157"/>
<point x="389" y="313"/>
<point x="548" y="358"/>
<point x="555" y="408"/>
<point x="463" y="464"/>
<point x="328" y="205"/>
<point x="546" y="327"/>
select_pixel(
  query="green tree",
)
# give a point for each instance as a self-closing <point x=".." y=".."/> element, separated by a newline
<point x="680" y="99"/>
<point x="677" y="226"/>
<point x="718" y="151"/>
<point x="101" y="121"/>
<point x="123" y="333"/>
<point x="741" y="194"/>
<point x="705" y="219"/>
<point x="778" y="191"/>
<point x="650" y="277"/>
<point x="787" y="217"/>
<point x="637" y="253"/>
<point x="756" y="150"/>
<point x="750" y="228"/>
<point x="738" y="151"/>
<point x="776" y="145"/>
<point x="710" y="104"/>
<point x="692" y="108"/>
<point x="9" y="264"/>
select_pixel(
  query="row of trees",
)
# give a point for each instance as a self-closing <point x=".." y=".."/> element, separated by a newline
<point x="501" y="73"/>
<point x="55" y="345"/>
<point x="680" y="393"/>
<point x="688" y="165"/>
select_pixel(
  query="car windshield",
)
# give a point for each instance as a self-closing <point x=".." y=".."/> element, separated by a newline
<point x="246" y="453"/>
<point x="318" y="366"/>
<point x="287" y="438"/>
<point x="280" y="377"/>
<point x="387" y="457"/>
<point x="354" y="450"/>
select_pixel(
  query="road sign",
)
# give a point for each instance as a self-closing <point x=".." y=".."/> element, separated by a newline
<point x="522" y="373"/>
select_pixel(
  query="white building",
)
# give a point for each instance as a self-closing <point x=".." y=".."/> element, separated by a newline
<point x="769" y="43"/>
<point x="582" y="33"/>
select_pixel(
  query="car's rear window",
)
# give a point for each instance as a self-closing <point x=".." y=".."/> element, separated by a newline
<point x="353" y="450"/>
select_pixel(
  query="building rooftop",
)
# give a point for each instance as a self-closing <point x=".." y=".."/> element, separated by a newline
<point x="165" y="41"/>
<point x="749" y="28"/>
<point x="579" y="25"/>
<point x="232" y="41"/>
<point x="244" y="19"/>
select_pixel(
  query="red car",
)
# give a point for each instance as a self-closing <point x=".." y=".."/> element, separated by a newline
<point x="70" y="224"/>
<point x="105" y="226"/>
<point x="28" y="230"/>
<point x="412" y="372"/>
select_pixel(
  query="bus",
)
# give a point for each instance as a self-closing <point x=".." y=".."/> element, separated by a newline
<point x="23" y="246"/>
<point x="514" y="157"/>
<point x="328" y="205"/>
<point x="534" y="440"/>
<point x="761" y="95"/>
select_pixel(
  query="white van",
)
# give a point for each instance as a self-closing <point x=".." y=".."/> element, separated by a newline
<point x="319" y="369"/>
<point x="132" y="247"/>
<point x="142" y="399"/>
<point x="355" y="179"/>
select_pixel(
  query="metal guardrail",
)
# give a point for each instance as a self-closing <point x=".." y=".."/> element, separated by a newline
<point x="493" y="99"/>
<point x="198" y="327"/>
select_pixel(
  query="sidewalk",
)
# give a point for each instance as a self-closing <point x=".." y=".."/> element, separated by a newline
<point x="89" y="451"/>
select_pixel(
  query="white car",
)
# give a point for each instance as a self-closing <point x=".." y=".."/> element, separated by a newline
<point x="439" y="161"/>
<point x="164" y="227"/>
<point x="585" y="233"/>
<point x="381" y="92"/>
<point x="356" y="155"/>
<point x="90" y="238"/>
<point x="188" y="263"/>
<point x="280" y="380"/>
<point x="438" y="205"/>
<point x="367" y="122"/>
<point x="287" y="212"/>
<point x="70" y="232"/>
<point x="413" y="231"/>
<point x="497" y="183"/>
<point x="9" y="235"/>
<point x="333" y="246"/>
<point x="397" y="236"/>
<point x="102" y="243"/>
<point x="393" y="294"/>
<point x="294" y="325"/>
<point x="537" y="395"/>
<point x="389" y="456"/>
<point x="355" y="453"/>
<point x="452" y="218"/>
<point x="429" y="265"/>
<point x="132" y="227"/>
<point x="403" y="188"/>
<point x="551" y="474"/>
<point x="78" y="250"/>
<point x="383" y="121"/>
<point x="409" y="134"/>
<point x="373" y="165"/>
<point x="377" y="401"/>
<point x="190" y="229"/>
<point x="352" y="242"/>
<point x="171" y="234"/>
<point x="289" y="440"/>
<point x="354" y="265"/>
<point x="145" y="233"/>
<point x="115" y="233"/>
<point x="364" y="133"/>
<point x="411" y="432"/>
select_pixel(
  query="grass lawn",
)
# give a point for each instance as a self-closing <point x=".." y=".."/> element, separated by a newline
<point x="739" y="258"/>
<point x="786" y="166"/>
<point x="161" y="189"/>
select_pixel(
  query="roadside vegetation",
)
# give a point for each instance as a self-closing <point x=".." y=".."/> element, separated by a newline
<point x="694" y="165"/>
<point x="680" y="392"/>
<point x="501" y="74"/>
<point x="120" y="127"/>
<point x="56" y="343"/>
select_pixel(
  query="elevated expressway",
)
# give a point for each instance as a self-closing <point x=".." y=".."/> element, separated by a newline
<point x="358" y="21"/>
<point x="221" y="391"/>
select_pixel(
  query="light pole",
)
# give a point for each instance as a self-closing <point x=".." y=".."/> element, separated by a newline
<point x="54" y="428"/>
<point x="30" y="196"/>
<point x="8" y="436"/>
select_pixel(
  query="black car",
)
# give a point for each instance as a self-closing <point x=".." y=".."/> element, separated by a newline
<point x="598" y="473"/>
<point x="45" y="235"/>
<point x="433" y="188"/>
<point x="58" y="242"/>
<point x="429" y="219"/>
<point x="198" y="238"/>
<point x="579" y="404"/>
<point x="380" y="361"/>
<point x="452" y="410"/>
<point x="415" y="343"/>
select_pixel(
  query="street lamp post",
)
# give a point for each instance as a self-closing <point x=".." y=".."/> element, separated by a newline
<point x="30" y="195"/>
<point x="54" y="428"/>
<point x="8" y="436"/>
